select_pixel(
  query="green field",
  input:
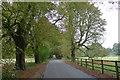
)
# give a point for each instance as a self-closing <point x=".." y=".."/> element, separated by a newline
<point x="114" y="58"/>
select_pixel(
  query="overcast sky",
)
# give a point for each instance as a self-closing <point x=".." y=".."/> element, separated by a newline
<point x="110" y="13"/>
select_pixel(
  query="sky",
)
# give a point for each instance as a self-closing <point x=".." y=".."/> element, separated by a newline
<point x="110" y="13"/>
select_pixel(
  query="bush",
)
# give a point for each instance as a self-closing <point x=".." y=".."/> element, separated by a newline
<point x="9" y="72"/>
<point x="44" y="53"/>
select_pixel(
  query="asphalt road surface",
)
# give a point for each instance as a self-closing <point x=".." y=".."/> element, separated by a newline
<point x="59" y="69"/>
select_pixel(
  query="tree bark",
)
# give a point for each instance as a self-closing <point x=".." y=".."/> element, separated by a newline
<point x="20" y="60"/>
<point x="20" y="55"/>
<point x="36" y="54"/>
<point x="37" y="58"/>
<point x="73" y="54"/>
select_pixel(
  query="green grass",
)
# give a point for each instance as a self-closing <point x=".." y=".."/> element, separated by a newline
<point x="107" y="67"/>
<point x="31" y="64"/>
<point x="65" y="60"/>
<point x="114" y="58"/>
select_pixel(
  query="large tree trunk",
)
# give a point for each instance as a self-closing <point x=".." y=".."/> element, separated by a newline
<point x="37" y="58"/>
<point x="73" y="54"/>
<point x="36" y="54"/>
<point x="20" y="55"/>
<point x="20" y="60"/>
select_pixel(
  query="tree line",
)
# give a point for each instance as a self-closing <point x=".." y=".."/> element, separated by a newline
<point x="115" y="50"/>
<point x="44" y="29"/>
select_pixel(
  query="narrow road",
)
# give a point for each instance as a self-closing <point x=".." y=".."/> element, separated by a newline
<point x="59" y="69"/>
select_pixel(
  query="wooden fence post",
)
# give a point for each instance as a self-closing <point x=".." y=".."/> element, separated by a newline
<point x="92" y="65"/>
<point x="81" y="62"/>
<point x="117" y="71"/>
<point x="102" y="66"/>
<point x="86" y="62"/>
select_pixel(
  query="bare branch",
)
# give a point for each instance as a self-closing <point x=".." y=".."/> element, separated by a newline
<point x="59" y="19"/>
<point x="86" y="47"/>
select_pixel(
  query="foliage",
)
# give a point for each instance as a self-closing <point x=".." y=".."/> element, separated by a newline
<point x="44" y="53"/>
<point x="9" y="72"/>
<point x="18" y="20"/>
<point x="29" y="51"/>
<point x="8" y="48"/>
<point x="96" y="50"/>
<point x="65" y="44"/>
<point x="45" y="29"/>
<point x="109" y="51"/>
<point x="57" y="52"/>
<point x="115" y="50"/>
<point x="83" y="24"/>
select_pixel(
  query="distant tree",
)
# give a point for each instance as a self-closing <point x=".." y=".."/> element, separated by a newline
<point x="96" y="50"/>
<point x="109" y="50"/>
<point x="116" y="48"/>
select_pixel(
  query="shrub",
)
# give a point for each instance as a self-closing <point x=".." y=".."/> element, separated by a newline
<point x="9" y="72"/>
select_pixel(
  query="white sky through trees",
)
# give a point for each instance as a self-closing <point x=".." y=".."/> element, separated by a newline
<point x="109" y="8"/>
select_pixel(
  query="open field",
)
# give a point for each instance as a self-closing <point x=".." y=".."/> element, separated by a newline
<point x="13" y="60"/>
<point x="113" y="58"/>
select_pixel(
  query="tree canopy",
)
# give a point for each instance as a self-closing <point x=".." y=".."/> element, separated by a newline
<point x="44" y="29"/>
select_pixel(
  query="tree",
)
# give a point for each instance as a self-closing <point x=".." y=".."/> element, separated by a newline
<point x="12" y="19"/>
<point x="83" y="23"/>
<point x="116" y="48"/>
<point x="110" y="51"/>
<point x="23" y="24"/>
<point x="18" y="20"/>
<point x="65" y="44"/>
<point x="96" y="50"/>
<point x="43" y="34"/>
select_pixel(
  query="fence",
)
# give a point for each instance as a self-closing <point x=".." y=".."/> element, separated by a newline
<point x="101" y="65"/>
